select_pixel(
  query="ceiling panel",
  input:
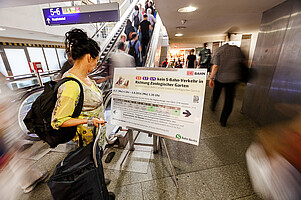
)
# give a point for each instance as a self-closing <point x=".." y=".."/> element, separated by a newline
<point x="212" y="18"/>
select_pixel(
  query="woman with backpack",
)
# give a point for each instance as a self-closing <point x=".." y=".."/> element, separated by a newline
<point x="85" y="53"/>
<point x="137" y="18"/>
<point x="128" y="30"/>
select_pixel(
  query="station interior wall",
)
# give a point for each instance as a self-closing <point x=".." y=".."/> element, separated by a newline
<point x="276" y="66"/>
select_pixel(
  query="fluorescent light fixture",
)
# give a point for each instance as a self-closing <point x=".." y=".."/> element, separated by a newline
<point x="2" y="29"/>
<point x="178" y="34"/>
<point x="180" y="27"/>
<point x="187" y="9"/>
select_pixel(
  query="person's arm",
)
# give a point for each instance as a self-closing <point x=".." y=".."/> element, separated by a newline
<point x="150" y="27"/>
<point x="187" y="62"/>
<point x="154" y="19"/>
<point x="75" y="122"/>
<point x="65" y="105"/>
<point x="101" y="80"/>
<point x="212" y="75"/>
<point x="139" y="28"/>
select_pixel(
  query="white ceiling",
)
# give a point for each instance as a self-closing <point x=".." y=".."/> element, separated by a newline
<point x="207" y="24"/>
<point x="212" y="18"/>
<point x="15" y="3"/>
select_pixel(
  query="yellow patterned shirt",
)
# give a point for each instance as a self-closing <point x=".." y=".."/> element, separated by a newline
<point x="67" y="98"/>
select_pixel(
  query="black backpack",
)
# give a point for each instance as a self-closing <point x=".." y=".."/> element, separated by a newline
<point x="136" y="21"/>
<point x="132" y="50"/>
<point x="38" y="119"/>
<point x="206" y="56"/>
<point x="164" y="64"/>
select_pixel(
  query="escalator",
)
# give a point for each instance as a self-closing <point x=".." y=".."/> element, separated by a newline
<point x="33" y="91"/>
<point x="101" y="71"/>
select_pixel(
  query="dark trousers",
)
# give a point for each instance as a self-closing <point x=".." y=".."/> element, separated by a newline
<point x="229" y="98"/>
<point x="144" y="43"/>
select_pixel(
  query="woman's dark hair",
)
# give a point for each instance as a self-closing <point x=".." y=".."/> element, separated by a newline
<point x="128" y="23"/>
<point x="78" y="44"/>
<point x="134" y="35"/>
<point x="136" y="7"/>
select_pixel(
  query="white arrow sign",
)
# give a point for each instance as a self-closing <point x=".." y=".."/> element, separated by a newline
<point x="48" y="20"/>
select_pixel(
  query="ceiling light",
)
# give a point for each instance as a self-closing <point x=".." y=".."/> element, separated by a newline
<point x="178" y="34"/>
<point x="187" y="9"/>
<point x="180" y="27"/>
<point x="2" y="29"/>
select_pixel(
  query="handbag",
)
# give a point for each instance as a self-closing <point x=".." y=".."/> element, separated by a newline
<point x="272" y="177"/>
<point x="80" y="175"/>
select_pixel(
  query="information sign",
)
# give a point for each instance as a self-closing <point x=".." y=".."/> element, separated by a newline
<point x="35" y="67"/>
<point x="107" y="12"/>
<point x="169" y="103"/>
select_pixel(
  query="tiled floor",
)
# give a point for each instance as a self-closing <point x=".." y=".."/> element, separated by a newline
<point x="215" y="169"/>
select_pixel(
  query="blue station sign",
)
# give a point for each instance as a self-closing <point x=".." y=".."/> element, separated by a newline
<point x="108" y="12"/>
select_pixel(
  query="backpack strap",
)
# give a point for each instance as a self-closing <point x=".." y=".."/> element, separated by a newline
<point x="135" y="43"/>
<point x="79" y="106"/>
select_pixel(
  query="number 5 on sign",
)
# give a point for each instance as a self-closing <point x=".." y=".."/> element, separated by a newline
<point x="55" y="11"/>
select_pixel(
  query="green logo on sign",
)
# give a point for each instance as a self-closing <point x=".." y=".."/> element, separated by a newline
<point x="178" y="136"/>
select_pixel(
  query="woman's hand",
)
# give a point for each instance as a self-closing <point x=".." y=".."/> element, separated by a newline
<point x="97" y="121"/>
<point x="211" y="83"/>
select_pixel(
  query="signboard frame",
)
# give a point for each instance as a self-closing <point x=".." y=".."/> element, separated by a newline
<point x="185" y="113"/>
<point x="155" y="135"/>
<point x="107" y="12"/>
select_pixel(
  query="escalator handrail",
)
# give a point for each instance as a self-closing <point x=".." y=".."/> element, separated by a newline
<point x="29" y="76"/>
<point x="153" y="44"/>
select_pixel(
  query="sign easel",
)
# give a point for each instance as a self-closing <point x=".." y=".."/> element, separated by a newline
<point x="155" y="149"/>
<point x="166" y="103"/>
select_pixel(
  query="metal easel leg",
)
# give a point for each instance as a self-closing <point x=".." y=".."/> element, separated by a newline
<point x="155" y="144"/>
<point x="131" y="142"/>
<point x="171" y="166"/>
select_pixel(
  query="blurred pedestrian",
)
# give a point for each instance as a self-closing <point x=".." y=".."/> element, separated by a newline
<point x="164" y="63"/>
<point x="179" y="63"/>
<point x="150" y="17"/>
<point x="274" y="159"/>
<point x="135" y="49"/>
<point x="66" y="66"/>
<point x="148" y="5"/>
<point x="129" y="29"/>
<point x="145" y="28"/>
<point x="123" y="40"/>
<point x="225" y="73"/>
<point x="191" y="60"/>
<point x="205" y="57"/>
<point x="137" y="18"/>
<point x="141" y="9"/>
<point x="15" y="171"/>
<point x="121" y="59"/>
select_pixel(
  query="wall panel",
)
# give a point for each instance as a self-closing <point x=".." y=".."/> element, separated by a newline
<point x="276" y="61"/>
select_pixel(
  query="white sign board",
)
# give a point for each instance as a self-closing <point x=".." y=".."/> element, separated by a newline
<point x="168" y="103"/>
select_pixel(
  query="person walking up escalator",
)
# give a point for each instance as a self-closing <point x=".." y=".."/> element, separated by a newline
<point x="137" y="18"/>
<point x="145" y="28"/>
<point x="129" y="29"/>
<point x="135" y="49"/>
